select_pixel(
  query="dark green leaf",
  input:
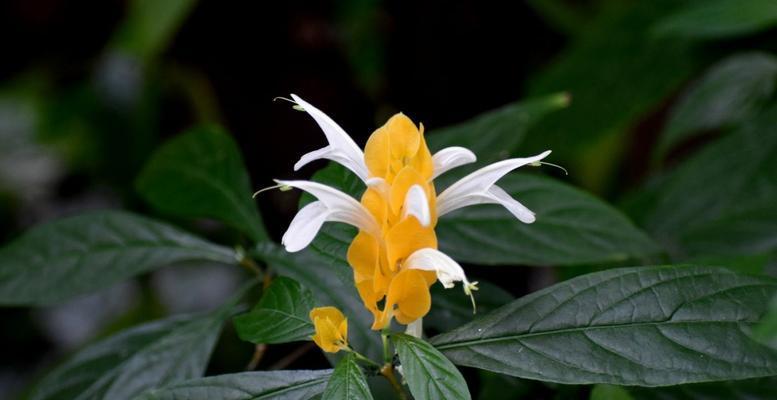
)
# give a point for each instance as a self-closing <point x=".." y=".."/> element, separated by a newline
<point x="609" y="392"/>
<point x="735" y="214"/>
<point x="126" y="364"/>
<point x="451" y="308"/>
<point x="428" y="373"/>
<point x="712" y="19"/>
<point x="572" y="228"/>
<point x="276" y="385"/>
<point x="76" y="255"/>
<point x="281" y="315"/>
<point x="201" y="174"/>
<point x="615" y="74"/>
<point x="495" y="134"/>
<point x="766" y="330"/>
<point x="347" y="382"/>
<point x="730" y="92"/>
<point x="645" y="326"/>
<point x="330" y="279"/>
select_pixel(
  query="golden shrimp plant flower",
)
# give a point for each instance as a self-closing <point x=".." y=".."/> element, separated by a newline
<point x="394" y="256"/>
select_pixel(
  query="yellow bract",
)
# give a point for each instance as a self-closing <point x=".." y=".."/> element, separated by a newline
<point x="397" y="153"/>
<point x="331" y="329"/>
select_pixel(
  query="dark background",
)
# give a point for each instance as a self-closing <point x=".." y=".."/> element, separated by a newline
<point x="84" y="101"/>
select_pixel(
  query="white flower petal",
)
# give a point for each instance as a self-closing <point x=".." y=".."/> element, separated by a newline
<point x="340" y="206"/>
<point x="451" y="157"/>
<point x="417" y="205"/>
<point x="305" y="226"/>
<point x="415" y="328"/>
<point x="516" y="208"/>
<point x="475" y="187"/>
<point x="428" y="259"/>
<point x="341" y="148"/>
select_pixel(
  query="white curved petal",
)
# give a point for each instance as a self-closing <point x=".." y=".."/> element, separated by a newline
<point x="475" y="187"/>
<point x="428" y="259"/>
<point x="341" y="148"/>
<point x="451" y="157"/>
<point x="417" y="205"/>
<point x="415" y="328"/>
<point x="340" y="206"/>
<point x="516" y="208"/>
<point x="305" y="226"/>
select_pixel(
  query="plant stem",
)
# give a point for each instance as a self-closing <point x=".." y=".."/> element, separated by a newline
<point x="258" y="354"/>
<point x="388" y="372"/>
<point x="386" y="354"/>
<point x="361" y="357"/>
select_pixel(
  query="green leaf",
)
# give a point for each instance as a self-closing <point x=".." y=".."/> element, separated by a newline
<point x="609" y="392"/>
<point x="733" y="216"/>
<point x="276" y="385"/>
<point x="644" y="326"/>
<point x="76" y="255"/>
<point x="615" y="74"/>
<point x="751" y="389"/>
<point x="347" y="382"/>
<point x="330" y="280"/>
<point x="495" y="134"/>
<point x="428" y="373"/>
<point x="451" y="308"/>
<point x="713" y="19"/>
<point x="150" y="25"/>
<point x="572" y="228"/>
<point x="766" y="330"/>
<point x="729" y="93"/>
<point x="201" y="174"/>
<point x="150" y="355"/>
<point x="281" y="315"/>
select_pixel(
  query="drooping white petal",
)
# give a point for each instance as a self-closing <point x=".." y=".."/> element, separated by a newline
<point x="340" y="207"/>
<point x="475" y="188"/>
<point x="305" y="226"/>
<point x="341" y="148"/>
<point x="417" y="205"/>
<point x="516" y="208"/>
<point x="451" y="157"/>
<point x="428" y="259"/>
<point x="415" y="328"/>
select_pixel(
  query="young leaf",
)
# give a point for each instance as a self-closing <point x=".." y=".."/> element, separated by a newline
<point x="281" y="315"/>
<point x="330" y="279"/>
<point x="714" y="19"/>
<point x="347" y="382"/>
<point x="76" y="255"/>
<point x="730" y="92"/>
<point x="428" y="373"/>
<point x="276" y="385"/>
<point x="150" y="355"/>
<point x="201" y="174"/>
<point x="572" y="228"/>
<point x="645" y="326"/>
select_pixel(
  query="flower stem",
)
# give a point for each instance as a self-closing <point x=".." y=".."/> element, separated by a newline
<point x="388" y="372"/>
<point x="386" y="354"/>
<point x="361" y="357"/>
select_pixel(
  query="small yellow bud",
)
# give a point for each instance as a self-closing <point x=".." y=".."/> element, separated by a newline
<point x="331" y="329"/>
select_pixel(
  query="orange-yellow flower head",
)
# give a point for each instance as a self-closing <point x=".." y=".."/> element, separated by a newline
<point x="331" y="329"/>
<point x="394" y="256"/>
